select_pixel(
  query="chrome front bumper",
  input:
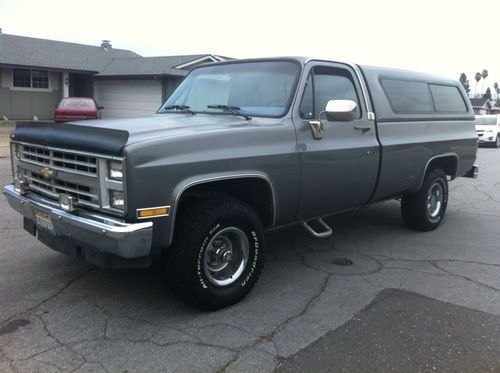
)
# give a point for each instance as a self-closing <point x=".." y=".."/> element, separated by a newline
<point x="85" y="230"/>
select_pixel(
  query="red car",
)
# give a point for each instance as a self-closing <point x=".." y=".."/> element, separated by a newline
<point x="77" y="108"/>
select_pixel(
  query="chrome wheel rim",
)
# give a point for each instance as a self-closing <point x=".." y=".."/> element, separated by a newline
<point x="226" y="256"/>
<point x="435" y="199"/>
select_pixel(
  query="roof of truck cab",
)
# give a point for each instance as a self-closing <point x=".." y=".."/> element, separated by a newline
<point x="365" y="68"/>
<point x="406" y="74"/>
<point x="379" y="101"/>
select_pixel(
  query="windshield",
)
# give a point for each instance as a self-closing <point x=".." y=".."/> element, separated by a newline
<point x="486" y="121"/>
<point x="252" y="88"/>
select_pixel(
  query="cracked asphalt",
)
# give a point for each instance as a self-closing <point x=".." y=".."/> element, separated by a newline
<point x="57" y="314"/>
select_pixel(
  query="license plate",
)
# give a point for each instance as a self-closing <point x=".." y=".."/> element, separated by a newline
<point x="43" y="221"/>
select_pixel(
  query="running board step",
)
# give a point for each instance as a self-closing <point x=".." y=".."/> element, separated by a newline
<point x="326" y="233"/>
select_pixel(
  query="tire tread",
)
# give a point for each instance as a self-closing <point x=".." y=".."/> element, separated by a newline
<point x="413" y="206"/>
<point x="188" y="229"/>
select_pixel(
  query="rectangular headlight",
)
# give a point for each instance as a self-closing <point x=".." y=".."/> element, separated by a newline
<point x="117" y="199"/>
<point x="116" y="170"/>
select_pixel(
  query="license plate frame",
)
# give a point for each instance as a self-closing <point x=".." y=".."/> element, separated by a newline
<point x="43" y="221"/>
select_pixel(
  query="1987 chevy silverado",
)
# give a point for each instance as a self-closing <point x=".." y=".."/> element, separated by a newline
<point x="240" y="147"/>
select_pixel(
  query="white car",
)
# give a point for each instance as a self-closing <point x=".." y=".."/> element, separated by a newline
<point x="488" y="129"/>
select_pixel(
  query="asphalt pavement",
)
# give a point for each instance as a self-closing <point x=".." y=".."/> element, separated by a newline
<point x="403" y="289"/>
<point x="406" y="332"/>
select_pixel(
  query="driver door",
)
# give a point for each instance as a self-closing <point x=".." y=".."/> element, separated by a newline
<point x="339" y="170"/>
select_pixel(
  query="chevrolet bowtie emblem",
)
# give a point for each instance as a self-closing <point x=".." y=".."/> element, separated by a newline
<point x="47" y="173"/>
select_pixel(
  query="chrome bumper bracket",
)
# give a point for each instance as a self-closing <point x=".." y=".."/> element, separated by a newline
<point x="473" y="172"/>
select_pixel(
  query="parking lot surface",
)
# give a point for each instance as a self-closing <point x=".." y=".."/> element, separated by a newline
<point x="57" y="314"/>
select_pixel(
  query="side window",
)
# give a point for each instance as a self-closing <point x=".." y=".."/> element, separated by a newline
<point x="407" y="96"/>
<point x="447" y="99"/>
<point x="325" y="84"/>
<point x="332" y="84"/>
<point x="306" y="106"/>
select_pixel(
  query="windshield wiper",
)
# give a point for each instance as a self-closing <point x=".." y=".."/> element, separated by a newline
<point x="230" y="109"/>
<point x="183" y="108"/>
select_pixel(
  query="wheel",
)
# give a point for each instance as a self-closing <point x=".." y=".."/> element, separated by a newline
<point x="424" y="210"/>
<point x="217" y="254"/>
<point x="497" y="142"/>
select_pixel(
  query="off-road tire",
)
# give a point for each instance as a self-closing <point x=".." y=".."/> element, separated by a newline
<point x="196" y="226"/>
<point x="414" y="207"/>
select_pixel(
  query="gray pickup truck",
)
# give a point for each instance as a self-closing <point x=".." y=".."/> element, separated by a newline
<point x="238" y="148"/>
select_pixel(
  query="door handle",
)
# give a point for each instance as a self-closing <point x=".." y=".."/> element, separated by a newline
<point x="360" y="127"/>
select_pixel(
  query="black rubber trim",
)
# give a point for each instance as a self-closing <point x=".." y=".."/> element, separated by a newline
<point x="423" y="119"/>
<point x="72" y="136"/>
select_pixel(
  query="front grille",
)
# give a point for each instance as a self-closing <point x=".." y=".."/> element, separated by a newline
<point x="58" y="160"/>
<point x="53" y="172"/>
<point x="86" y="195"/>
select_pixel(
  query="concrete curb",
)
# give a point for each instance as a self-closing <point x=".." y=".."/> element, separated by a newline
<point x="12" y="123"/>
<point x="7" y="123"/>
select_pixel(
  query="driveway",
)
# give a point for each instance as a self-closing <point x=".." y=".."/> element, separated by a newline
<point x="5" y="130"/>
<point x="59" y="314"/>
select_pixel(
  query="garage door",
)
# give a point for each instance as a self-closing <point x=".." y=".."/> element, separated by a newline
<point x="128" y="98"/>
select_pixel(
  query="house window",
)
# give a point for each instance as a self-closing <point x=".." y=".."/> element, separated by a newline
<point x="39" y="78"/>
<point x="24" y="78"/>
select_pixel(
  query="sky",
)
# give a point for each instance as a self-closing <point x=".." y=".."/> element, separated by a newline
<point x="438" y="36"/>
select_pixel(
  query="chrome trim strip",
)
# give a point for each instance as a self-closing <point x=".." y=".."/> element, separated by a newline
<point x="218" y="178"/>
<point x="361" y="81"/>
<point x="153" y="208"/>
<point x="436" y="157"/>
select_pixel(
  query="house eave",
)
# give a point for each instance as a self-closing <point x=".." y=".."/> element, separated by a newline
<point x="137" y="76"/>
<point x="17" y="66"/>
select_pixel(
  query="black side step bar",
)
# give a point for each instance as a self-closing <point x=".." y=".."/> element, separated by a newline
<point x="326" y="233"/>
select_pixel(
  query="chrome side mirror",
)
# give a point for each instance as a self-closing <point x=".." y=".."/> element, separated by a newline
<point x="341" y="110"/>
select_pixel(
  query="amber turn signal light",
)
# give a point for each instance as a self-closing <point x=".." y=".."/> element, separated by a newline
<point x="153" y="212"/>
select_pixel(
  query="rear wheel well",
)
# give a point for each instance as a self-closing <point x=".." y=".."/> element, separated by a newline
<point x="449" y="165"/>
<point x="256" y="192"/>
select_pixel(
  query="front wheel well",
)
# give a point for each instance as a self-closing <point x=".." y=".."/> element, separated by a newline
<point x="254" y="191"/>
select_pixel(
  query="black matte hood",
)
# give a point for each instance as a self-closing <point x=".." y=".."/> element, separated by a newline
<point x="110" y="136"/>
<point x="68" y="136"/>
